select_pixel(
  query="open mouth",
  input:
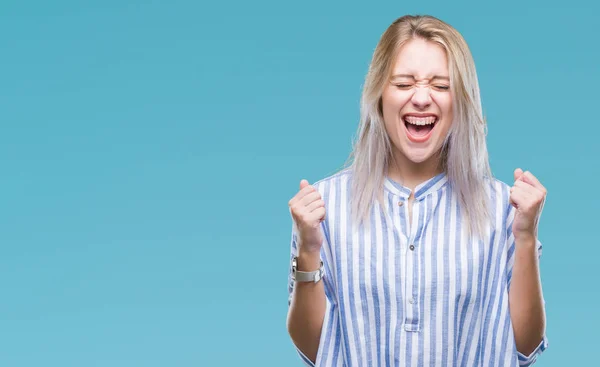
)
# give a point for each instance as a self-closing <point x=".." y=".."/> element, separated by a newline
<point x="419" y="128"/>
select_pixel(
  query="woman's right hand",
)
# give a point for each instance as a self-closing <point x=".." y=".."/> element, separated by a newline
<point x="308" y="211"/>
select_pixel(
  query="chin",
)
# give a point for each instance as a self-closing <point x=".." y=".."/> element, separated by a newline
<point x="418" y="156"/>
<point x="417" y="159"/>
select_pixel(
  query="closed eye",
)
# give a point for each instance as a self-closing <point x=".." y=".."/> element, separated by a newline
<point x="442" y="87"/>
<point x="403" y="86"/>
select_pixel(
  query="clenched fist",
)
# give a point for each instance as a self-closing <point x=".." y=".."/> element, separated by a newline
<point x="528" y="196"/>
<point x="308" y="211"/>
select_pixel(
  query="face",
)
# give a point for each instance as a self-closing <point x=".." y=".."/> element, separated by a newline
<point x="417" y="104"/>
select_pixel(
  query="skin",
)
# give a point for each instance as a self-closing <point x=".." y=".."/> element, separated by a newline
<point x="307" y="308"/>
<point x="420" y="85"/>
<point x="526" y="302"/>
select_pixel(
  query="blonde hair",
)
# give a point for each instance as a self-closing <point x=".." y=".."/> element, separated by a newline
<point x="464" y="156"/>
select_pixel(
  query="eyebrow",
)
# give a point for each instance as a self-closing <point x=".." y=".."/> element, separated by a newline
<point x="412" y="76"/>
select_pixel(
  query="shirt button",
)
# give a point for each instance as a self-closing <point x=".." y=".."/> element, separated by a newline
<point x="400" y="203"/>
<point x="407" y="327"/>
<point x="412" y="247"/>
<point x="411" y="301"/>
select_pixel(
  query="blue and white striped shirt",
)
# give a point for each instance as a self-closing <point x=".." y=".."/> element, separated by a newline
<point x="416" y="295"/>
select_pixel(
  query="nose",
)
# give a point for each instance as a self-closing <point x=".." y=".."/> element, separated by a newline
<point x="421" y="98"/>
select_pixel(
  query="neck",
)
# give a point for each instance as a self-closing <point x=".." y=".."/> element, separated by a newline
<point x="411" y="174"/>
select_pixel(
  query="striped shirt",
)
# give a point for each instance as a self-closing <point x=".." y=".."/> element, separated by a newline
<point x="418" y="292"/>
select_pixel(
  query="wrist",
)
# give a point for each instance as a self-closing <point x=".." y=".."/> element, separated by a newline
<point x="309" y="260"/>
<point x="525" y="240"/>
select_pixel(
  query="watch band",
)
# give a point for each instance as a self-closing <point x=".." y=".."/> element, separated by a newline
<point x="306" y="276"/>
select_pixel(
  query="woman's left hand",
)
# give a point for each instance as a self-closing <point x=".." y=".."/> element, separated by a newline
<point x="527" y="195"/>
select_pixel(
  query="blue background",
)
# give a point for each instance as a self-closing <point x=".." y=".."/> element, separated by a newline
<point x="148" y="150"/>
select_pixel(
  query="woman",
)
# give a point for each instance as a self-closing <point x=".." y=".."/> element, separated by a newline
<point x="414" y="255"/>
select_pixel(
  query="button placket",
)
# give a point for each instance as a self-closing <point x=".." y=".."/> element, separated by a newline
<point x="411" y="294"/>
<point x="405" y="281"/>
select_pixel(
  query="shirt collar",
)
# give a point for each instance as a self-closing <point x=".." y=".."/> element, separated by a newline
<point x="423" y="189"/>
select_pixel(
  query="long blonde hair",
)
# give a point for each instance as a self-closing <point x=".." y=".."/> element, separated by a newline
<point x="464" y="156"/>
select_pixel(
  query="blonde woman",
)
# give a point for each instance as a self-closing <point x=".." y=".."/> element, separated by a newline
<point x="413" y="254"/>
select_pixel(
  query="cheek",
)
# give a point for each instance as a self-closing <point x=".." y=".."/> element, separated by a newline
<point x="391" y="125"/>
<point x="444" y="102"/>
<point x="392" y="103"/>
<point x="388" y="110"/>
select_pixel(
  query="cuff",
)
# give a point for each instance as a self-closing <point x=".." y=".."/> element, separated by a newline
<point x="531" y="358"/>
<point x="305" y="359"/>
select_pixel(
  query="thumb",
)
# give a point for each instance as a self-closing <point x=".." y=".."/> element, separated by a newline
<point x="303" y="184"/>
<point x="518" y="172"/>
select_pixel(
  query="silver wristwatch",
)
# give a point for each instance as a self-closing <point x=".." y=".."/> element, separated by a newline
<point x="306" y="276"/>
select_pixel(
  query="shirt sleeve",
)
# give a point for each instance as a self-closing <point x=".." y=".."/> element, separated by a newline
<point x="532" y="357"/>
<point x="330" y="351"/>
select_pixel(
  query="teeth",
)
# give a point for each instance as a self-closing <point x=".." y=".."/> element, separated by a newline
<point x="420" y="120"/>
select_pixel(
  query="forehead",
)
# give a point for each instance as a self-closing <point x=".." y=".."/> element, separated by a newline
<point x="421" y="59"/>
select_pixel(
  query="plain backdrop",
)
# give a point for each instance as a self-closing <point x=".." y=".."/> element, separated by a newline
<point x="148" y="150"/>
